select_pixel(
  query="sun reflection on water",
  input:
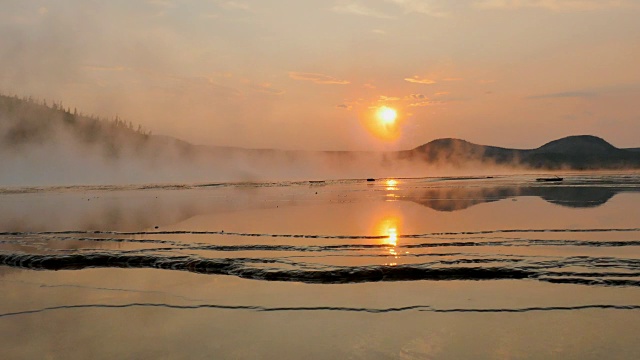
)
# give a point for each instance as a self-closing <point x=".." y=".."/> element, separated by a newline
<point x="391" y="184"/>
<point x="387" y="228"/>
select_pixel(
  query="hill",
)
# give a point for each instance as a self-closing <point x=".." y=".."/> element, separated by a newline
<point x="580" y="152"/>
<point x="25" y="122"/>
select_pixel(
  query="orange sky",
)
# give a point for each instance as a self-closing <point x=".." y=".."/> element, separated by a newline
<point x="309" y="74"/>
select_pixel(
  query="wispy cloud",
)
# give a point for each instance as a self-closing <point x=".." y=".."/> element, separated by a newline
<point x="266" y="88"/>
<point x="384" y="98"/>
<point x="424" y="7"/>
<point x="420" y="80"/>
<point x="344" y="106"/>
<point x="557" y="5"/>
<point x="161" y="3"/>
<point x="316" y="78"/>
<point x="356" y="8"/>
<point x="568" y="94"/>
<point x="105" y="68"/>
<point x="235" y="5"/>
<point x="425" y="103"/>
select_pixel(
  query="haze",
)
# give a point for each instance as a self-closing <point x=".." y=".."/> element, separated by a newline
<point x="309" y="74"/>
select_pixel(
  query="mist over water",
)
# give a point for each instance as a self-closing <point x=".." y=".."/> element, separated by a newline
<point x="50" y="145"/>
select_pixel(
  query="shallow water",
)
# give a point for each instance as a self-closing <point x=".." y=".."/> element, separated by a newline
<point x="500" y="267"/>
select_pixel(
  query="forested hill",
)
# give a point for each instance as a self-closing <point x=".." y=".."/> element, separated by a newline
<point x="25" y="122"/>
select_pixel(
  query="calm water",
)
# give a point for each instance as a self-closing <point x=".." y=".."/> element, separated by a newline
<point x="501" y="267"/>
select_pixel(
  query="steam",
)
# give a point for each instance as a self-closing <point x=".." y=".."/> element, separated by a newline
<point x="48" y="144"/>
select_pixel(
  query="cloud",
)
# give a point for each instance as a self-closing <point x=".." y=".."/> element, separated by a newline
<point x="424" y="7"/>
<point x="266" y="88"/>
<point x="420" y="104"/>
<point x="316" y="78"/>
<point x="344" y="106"/>
<point x="568" y="94"/>
<point x="388" y="98"/>
<point x="419" y="80"/>
<point x="234" y="5"/>
<point x="417" y="96"/>
<point x="442" y="93"/>
<point x="186" y="84"/>
<point x="161" y="3"/>
<point x="355" y="8"/>
<point x="556" y="5"/>
<point x="105" y="68"/>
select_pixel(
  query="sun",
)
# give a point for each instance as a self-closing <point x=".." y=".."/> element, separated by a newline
<point x="386" y="115"/>
<point x="383" y="122"/>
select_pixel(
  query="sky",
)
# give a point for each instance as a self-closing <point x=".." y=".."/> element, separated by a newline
<point x="312" y="74"/>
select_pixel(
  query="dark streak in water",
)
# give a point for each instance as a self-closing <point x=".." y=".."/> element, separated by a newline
<point x="338" y="247"/>
<point x="253" y="268"/>
<point x="318" y="236"/>
<point x="423" y="308"/>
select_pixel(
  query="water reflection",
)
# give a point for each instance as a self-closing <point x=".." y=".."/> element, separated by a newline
<point x="159" y="209"/>
<point x="460" y="198"/>
<point x="388" y="228"/>
<point x="391" y="185"/>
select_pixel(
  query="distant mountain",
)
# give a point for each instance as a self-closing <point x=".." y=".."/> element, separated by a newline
<point x="579" y="152"/>
<point x="578" y="145"/>
<point x="457" y="152"/>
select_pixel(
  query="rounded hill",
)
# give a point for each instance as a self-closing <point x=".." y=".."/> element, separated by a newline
<point x="578" y="144"/>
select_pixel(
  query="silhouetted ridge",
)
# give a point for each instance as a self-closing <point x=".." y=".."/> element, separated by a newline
<point x="457" y="151"/>
<point x="579" y="144"/>
<point x="578" y="152"/>
<point x="581" y="152"/>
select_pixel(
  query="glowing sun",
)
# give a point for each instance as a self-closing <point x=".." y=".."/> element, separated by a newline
<point x="386" y="115"/>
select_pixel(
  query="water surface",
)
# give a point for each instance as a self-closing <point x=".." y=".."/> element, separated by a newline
<point x="498" y="267"/>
